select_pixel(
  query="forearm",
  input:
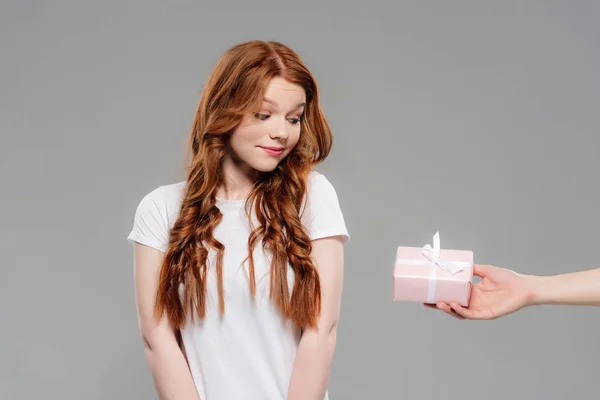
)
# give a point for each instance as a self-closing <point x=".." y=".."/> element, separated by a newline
<point x="576" y="288"/>
<point x="312" y="365"/>
<point x="169" y="368"/>
<point x="310" y="374"/>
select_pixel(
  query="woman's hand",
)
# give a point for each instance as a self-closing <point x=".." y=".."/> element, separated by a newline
<point x="499" y="293"/>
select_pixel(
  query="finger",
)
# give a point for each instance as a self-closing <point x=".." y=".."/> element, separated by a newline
<point x="448" y="310"/>
<point x="482" y="270"/>
<point x="464" y="312"/>
<point x="455" y="315"/>
<point x="443" y="307"/>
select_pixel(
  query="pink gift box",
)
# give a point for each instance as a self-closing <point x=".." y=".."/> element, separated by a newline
<point x="419" y="274"/>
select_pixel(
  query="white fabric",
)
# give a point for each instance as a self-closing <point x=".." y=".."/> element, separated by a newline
<point x="249" y="354"/>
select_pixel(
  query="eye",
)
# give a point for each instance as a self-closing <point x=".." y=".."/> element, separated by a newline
<point x="294" y="121"/>
<point x="262" y="117"/>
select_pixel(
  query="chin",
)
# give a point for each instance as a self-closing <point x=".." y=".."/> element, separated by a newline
<point x="265" y="166"/>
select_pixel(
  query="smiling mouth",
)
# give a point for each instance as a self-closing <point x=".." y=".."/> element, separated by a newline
<point x="272" y="151"/>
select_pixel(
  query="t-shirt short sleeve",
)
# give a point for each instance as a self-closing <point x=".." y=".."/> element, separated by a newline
<point x="150" y="225"/>
<point x="324" y="217"/>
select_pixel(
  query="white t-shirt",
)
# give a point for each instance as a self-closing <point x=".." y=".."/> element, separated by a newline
<point x="249" y="354"/>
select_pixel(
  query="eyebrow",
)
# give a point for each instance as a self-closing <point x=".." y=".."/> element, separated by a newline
<point x="267" y="100"/>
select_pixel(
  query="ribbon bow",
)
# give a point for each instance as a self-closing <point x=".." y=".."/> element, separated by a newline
<point x="433" y="255"/>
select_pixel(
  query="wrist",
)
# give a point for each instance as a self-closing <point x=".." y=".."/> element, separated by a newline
<point x="536" y="294"/>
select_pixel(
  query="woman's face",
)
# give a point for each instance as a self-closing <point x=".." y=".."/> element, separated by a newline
<point x="261" y="141"/>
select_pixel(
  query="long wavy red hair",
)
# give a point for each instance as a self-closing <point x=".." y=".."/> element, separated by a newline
<point x="235" y="88"/>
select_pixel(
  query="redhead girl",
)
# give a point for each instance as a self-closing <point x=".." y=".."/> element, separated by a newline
<point x="239" y="268"/>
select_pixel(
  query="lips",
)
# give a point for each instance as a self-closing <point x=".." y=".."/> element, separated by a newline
<point x="272" y="151"/>
<point x="272" y="148"/>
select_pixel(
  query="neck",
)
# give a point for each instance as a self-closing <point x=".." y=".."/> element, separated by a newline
<point x="238" y="180"/>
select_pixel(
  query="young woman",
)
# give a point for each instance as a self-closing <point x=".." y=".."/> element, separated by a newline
<point x="502" y="292"/>
<point x="239" y="268"/>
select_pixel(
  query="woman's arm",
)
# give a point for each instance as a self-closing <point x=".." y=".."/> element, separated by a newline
<point x="310" y="374"/>
<point x="169" y="368"/>
<point x="573" y="288"/>
<point x="502" y="292"/>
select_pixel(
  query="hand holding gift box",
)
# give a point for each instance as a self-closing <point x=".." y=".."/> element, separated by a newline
<point x="431" y="274"/>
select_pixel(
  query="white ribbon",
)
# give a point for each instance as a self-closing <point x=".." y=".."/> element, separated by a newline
<point x="433" y="255"/>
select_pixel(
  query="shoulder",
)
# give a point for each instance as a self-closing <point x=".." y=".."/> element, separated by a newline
<point x="320" y="192"/>
<point x="320" y="186"/>
<point x="323" y="215"/>
<point x="156" y="213"/>
<point x="170" y="194"/>
<point x="162" y="199"/>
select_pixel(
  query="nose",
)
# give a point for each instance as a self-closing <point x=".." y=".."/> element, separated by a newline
<point x="279" y="130"/>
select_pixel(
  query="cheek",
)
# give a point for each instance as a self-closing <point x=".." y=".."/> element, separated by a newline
<point x="294" y="138"/>
<point x="243" y="138"/>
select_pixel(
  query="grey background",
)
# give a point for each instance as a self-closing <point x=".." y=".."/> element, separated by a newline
<point x="477" y="119"/>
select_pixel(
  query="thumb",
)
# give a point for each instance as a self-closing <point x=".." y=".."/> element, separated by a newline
<point x="482" y="270"/>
